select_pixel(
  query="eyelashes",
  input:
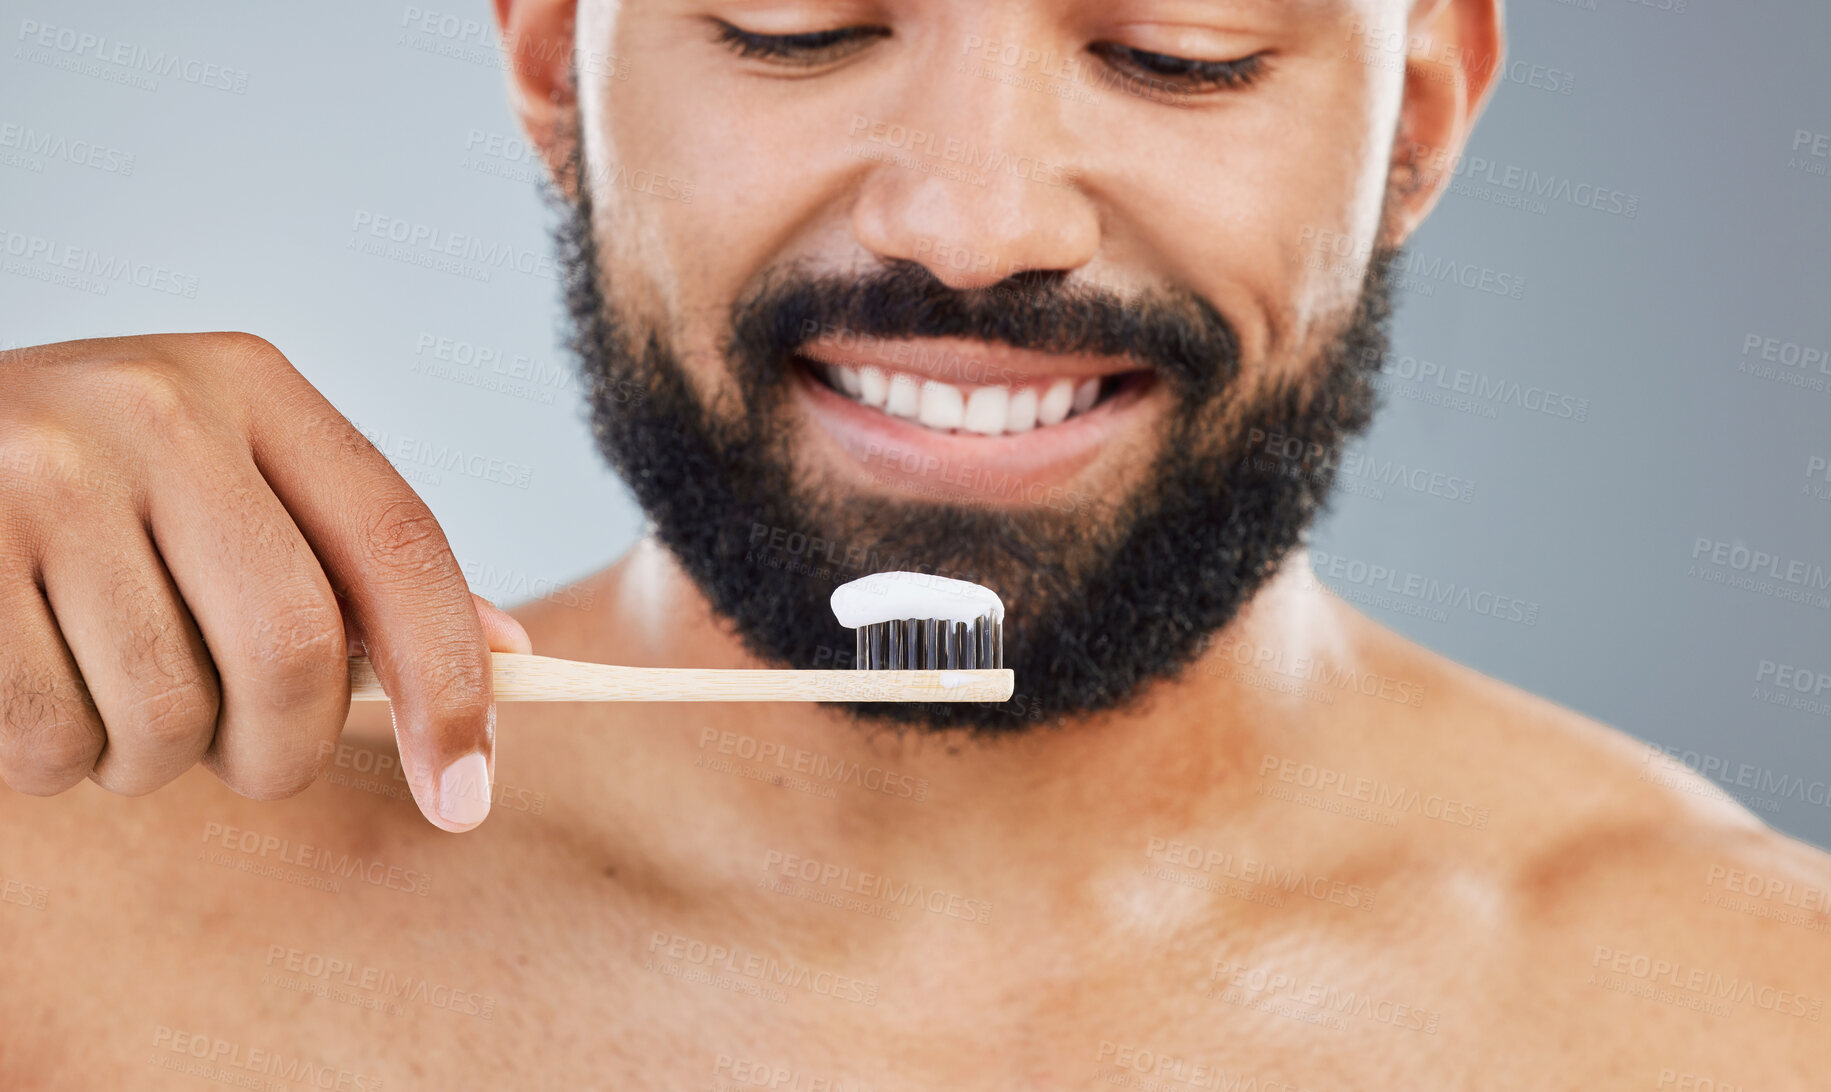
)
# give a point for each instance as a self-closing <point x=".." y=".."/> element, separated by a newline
<point x="1181" y="72"/>
<point x="820" y="47"/>
<point x="813" y="48"/>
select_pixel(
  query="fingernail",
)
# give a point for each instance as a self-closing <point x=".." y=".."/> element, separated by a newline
<point x="464" y="791"/>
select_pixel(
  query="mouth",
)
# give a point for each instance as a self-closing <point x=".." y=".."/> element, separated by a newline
<point x="982" y="410"/>
<point x="966" y="419"/>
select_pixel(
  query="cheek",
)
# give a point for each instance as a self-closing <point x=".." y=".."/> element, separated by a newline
<point x="763" y="183"/>
<point x="1272" y="215"/>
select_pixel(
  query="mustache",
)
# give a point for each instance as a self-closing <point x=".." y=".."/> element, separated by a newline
<point x="1170" y="331"/>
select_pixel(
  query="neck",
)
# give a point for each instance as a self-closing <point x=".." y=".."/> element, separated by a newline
<point x="904" y="802"/>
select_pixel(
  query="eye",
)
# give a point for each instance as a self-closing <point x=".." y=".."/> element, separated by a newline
<point x="1181" y="72"/>
<point x="812" y="48"/>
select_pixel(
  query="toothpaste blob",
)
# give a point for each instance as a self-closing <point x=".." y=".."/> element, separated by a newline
<point x="892" y="597"/>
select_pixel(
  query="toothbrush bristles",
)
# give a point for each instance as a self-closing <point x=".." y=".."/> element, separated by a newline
<point x="930" y="644"/>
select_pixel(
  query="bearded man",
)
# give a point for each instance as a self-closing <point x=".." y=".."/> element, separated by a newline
<point x="1077" y="301"/>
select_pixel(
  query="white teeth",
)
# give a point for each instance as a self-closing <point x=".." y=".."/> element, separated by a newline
<point x="873" y="386"/>
<point x="1053" y="407"/>
<point x="943" y="406"/>
<point x="986" y="411"/>
<point x="905" y="397"/>
<point x="1021" y="417"/>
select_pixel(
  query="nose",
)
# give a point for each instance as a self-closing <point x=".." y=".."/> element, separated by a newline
<point x="976" y="181"/>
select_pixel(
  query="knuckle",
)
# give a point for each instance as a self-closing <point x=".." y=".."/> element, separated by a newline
<point x="49" y="461"/>
<point x="252" y="358"/>
<point x="173" y="718"/>
<point x="298" y="650"/>
<point x="457" y="686"/>
<point x="49" y="736"/>
<point x="149" y="396"/>
<point x="241" y="343"/>
<point x="403" y="541"/>
<point x="271" y="776"/>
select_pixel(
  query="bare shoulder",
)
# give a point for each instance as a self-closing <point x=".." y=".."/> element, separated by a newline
<point x="1627" y="893"/>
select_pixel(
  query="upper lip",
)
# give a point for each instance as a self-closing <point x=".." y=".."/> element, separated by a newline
<point x="964" y="361"/>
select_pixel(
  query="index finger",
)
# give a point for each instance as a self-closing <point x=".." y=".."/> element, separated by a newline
<point x="385" y="554"/>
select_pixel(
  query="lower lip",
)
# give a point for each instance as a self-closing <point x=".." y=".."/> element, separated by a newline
<point x="887" y="450"/>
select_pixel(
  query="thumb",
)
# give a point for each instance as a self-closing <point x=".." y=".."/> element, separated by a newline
<point x="465" y="786"/>
<point x="500" y="628"/>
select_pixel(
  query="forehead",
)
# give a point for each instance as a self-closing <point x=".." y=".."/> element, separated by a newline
<point x="1162" y="9"/>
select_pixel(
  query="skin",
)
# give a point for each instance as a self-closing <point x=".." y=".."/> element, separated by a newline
<point x="1119" y="859"/>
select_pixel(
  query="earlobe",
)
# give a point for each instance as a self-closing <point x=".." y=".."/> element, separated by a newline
<point x="537" y="48"/>
<point x="1454" y="50"/>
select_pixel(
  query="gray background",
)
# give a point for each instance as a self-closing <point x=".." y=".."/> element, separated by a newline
<point x="250" y="199"/>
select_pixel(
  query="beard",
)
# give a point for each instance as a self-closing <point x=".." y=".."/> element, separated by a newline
<point x="1103" y="597"/>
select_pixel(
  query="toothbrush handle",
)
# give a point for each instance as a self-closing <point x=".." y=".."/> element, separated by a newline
<point x="545" y="678"/>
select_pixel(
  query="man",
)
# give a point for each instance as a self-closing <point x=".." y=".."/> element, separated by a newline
<point x="1074" y="300"/>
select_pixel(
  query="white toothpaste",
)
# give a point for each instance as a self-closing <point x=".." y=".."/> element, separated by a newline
<point x="890" y="597"/>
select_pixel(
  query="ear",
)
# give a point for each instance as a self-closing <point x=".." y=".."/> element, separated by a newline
<point x="1454" y="50"/>
<point x="537" y="44"/>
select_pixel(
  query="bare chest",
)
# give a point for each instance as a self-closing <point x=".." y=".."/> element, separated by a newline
<point x="257" y="978"/>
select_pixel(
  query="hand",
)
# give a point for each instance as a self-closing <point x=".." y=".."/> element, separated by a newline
<point x="192" y="542"/>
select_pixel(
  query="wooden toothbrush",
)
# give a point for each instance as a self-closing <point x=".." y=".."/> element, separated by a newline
<point x="919" y="638"/>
